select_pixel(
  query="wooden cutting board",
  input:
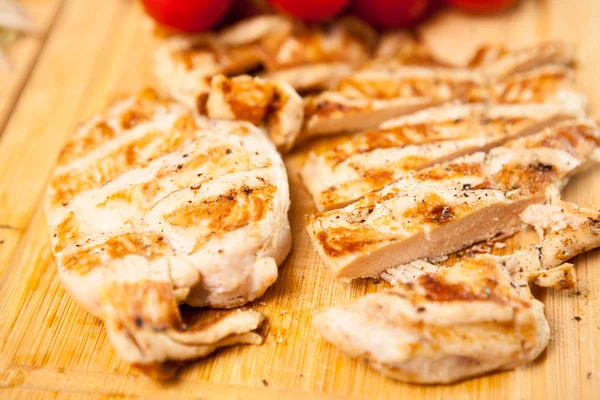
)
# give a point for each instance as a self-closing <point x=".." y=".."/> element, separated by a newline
<point x="88" y="52"/>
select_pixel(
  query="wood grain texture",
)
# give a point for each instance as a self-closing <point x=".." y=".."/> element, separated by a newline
<point x="50" y="348"/>
<point x="9" y="238"/>
<point x="24" y="54"/>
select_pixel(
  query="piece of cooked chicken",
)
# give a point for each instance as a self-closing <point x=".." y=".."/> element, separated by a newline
<point x="445" y="208"/>
<point x="566" y="230"/>
<point x="396" y="48"/>
<point x="337" y="174"/>
<point x="367" y="98"/>
<point x="306" y="57"/>
<point x="373" y="95"/>
<point x="442" y="324"/>
<point x="315" y="57"/>
<point x="498" y="62"/>
<point x="273" y="105"/>
<point x="150" y="207"/>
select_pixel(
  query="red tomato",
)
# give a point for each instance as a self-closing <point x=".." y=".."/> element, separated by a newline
<point x="482" y="5"/>
<point x="390" y="14"/>
<point x="311" y="10"/>
<point x="187" y="15"/>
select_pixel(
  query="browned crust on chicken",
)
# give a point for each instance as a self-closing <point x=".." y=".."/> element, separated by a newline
<point x="339" y="171"/>
<point x="273" y="105"/>
<point x="398" y="223"/>
<point x="391" y="90"/>
<point x="278" y="45"/>
<point x="151" y="206"/>
<point x="457" y="322"/>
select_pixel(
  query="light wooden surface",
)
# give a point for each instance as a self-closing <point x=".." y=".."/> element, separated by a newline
<point x="86" y="53"/>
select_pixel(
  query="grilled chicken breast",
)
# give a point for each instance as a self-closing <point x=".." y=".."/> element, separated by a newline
<point x="452" y="205"/>
<point x="338" y="174"/>
<point x="441" y="324"/>
<point x="307" y="57"/>
<point x="373" y="95"/>
<point x="150" y="207"/>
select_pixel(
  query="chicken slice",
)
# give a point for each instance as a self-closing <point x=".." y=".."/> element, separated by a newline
<point x="316" y="57"/>
<point x="330" y="113"/>
<point x="441" y="324"/>
<point x="284" y="48"/>
<point x="394" y="49"/>
<point x="150" y="207"/>
<point x="566" y="230"/>
<point x="401" y="48"/>
<point x="311" y="77"/>
<point x="338" y="174"/>
<point x="442" y="209"/>
<point x="369" y="97"/>
<point x="498" y="62"/>
<point x="457" y="322"/>
<point x="435" y="83"/>
<point x="274" y="105"/>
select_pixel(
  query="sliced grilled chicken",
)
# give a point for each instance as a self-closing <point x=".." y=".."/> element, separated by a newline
<point x="450" y="206"/>
<point x="183" y="63"/>
<point x="498" y="62"/>
<point x="387" y="91"/>
<point x="311" y="77"/>
<point x="400" y="48"/>
<point x="367" y="98"/>
<point x="150" y="207"/>
<point x="274" y="105"/>
<point x="566" y="230"/>
<point x="550" y="83"/>
<point x="315" y="58"/>
<point x="336" y="175"/>
<point x="285" y="49"/>
<point x="370" y="97"/>
<point x="439" y="84"/>
<point x="441" y="324"/>
<point x="330" y="113"/>
<point x="447" y="325"/>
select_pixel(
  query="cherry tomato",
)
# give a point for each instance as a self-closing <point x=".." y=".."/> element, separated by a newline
<point x="480" y="6"/>
<point x="311" y="10"/>
<point x="187" y="15"/>
<point x="243" y="9"/>
<point x="389" y="14"/>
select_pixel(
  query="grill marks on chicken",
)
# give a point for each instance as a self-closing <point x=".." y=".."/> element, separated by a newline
<point x="263" y="103"/>
<point x="444" y="326"/>
<point x="358" y="94"/>
<point x="307" y="57"/>
<point x="452" y="205"/>
<point x="379" y="92"/>
<point x="338" y="174"/>
<point x="147" y="245"/>
<point x="441" y="324"/>
<point x="226" y="212"/>
<point x="413" y="82"/>
<point x="143" y="214"/>
<point x="427" y="184"/>
<point x="566" y="230"/>
<point x="112" y="162"/>
<point x="498" y="62"/>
